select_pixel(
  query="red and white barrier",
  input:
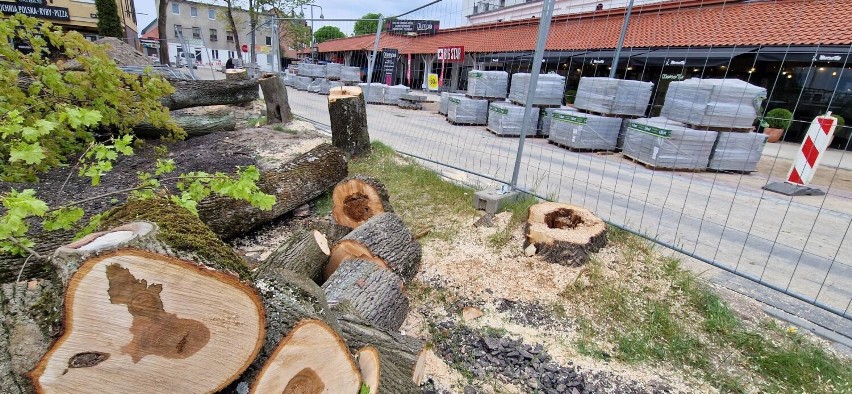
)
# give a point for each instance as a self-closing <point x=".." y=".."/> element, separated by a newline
<point x="816" y="142"/>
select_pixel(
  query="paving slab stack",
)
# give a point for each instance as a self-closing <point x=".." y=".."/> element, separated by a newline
<point x="312" y="70"/>
<point x="548" y="92"/>
<point x="487" y="84"/>
<point x="325" y="86"/>
<point x="332" y="71"/>
<point x="545" y="118"/>
<point x="611" y="96"/>
<point x="445" y="101"/>
<point x="578" y="130"/>
<point x="287" y="79"/>
<point x="314" y="87"/>
<point x="350" y="74"/>
<point x="465" y="110"/>
<point x="507" y="119"/>
<point x="667" y="144"/>
<point x="726" y="105"/>
<point x="302" y="83"/>
<point x="392" y="94"/>
<point x="377" y="92"/>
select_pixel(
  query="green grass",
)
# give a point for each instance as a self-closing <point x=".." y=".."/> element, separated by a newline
<point x="520" y="210"/>
<point x="323" y="204"/>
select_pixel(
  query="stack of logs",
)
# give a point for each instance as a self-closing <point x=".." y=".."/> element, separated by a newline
<point x="145" y="313"/>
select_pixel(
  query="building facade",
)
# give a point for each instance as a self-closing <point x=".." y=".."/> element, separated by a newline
<point x="486" y="11"/>
<point x="76" y="15"/>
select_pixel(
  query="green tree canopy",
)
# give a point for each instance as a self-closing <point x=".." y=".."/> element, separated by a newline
<point x="366" y="26"/>
<point x="109" y="24"/>
<point x="326" y="33"/>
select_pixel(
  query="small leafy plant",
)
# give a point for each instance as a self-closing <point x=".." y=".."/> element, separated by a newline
<point x="778" y="118"/>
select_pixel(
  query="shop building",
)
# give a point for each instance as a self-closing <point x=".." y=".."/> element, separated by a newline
<point x="76" y="15"/>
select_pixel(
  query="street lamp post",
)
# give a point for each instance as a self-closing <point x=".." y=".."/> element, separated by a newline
<point x="313" y="41"/>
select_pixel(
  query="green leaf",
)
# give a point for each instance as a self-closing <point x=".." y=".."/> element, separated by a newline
<point x="24" y="203"/>
<point x="27" y="153"/>
<point x="164" y="166"/>
<point x="63" y="219"/>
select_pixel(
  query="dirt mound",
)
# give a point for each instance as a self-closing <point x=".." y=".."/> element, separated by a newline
<point x="119" y="51"/>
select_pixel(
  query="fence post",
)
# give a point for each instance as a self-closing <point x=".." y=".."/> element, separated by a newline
<point x="617" y="56"/>
<point x="372" y="62"/>
<point x="543" y="30"/>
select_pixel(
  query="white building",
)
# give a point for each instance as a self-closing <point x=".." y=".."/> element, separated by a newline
<point x="485" y="11"/>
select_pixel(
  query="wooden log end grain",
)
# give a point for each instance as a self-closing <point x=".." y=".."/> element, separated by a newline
<point x="358" y="198"/>
<point x="564" y="234"/>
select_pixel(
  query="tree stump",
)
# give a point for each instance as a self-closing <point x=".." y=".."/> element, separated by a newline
<point x="358" y="198"/>
<point x="275" y="95"/>
<point x="305" y="253"/>
<point x="311" y="359"/>
<point x="140" y="320"/>
<point x="383" y="376"/>
<point x="383" y="239"/>
<point x="376" y="294"/>
<point x="194" y="121"/>
<point x="348" y="113"/>
<point x="407" y="354"/>
<point x="564" y="234"/>
<point x="236" y="74"/>
<point x="200" y="93"/>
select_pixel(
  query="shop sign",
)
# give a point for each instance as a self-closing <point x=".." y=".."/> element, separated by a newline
<point x="35" y="8"/>
<point x="412" y="27"/>
<point x="672" y="77"/>
<point x="433" y="81"/>
<point x="454" y="54"/>
<point x="670" y="62"/>
<point x="389" y="64"/>
<point x="598" y="61"/>
<point x="828" y="58"/>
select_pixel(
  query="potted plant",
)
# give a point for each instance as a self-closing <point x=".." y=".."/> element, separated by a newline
<point x="775" y="123"/>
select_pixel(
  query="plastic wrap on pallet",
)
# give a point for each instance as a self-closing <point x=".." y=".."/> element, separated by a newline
<point x="724" y="103"/>
<point x="613" y="96"/>
<point x="737" y="151"/>
<point x="505" y="118"/>
<point x="392" y="94"/>
<point x="287" y="79"/>
<point x="548" y="91"/>
<point x="445" y="101"/>
<point x="312" y="70"/>
<point x="377" y="92"/>
<point x="302" y="83"/>
<point x="332" y="71"/>
<point x="466" y="110"/>
<point x="584" y="131"/>
<point x="491" y="84"/>
<point x="659" y="142"/>
<point x="545" y="119"/>
<point x="350" y="74"/>
<point x="316" y="85"/>
<point x="326" y="85"/>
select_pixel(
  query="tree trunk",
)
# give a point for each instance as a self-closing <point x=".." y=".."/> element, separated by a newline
<point x="311" y="359"/>
<point x="385" y="240"/>
<point x="294" y="184"/>
<point x="564" y="234"/>
<point x="162" y="22"/>
<point x="130" y="305"/>
<point x="194" y="121"/>
<point x="236" y="74"/>
<point x="348" y="113"/>
<point x="383" y="376"/>
<point x="275" y="95"/>
<point x="406" y="353"/>
<point x="358" y="198"/>
<point x="203" y="93"/>
<point x="376" y="294"/>
<point x="305" y="253"/>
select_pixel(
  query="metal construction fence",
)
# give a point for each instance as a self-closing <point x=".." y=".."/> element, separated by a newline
<point x="797" y="245"/>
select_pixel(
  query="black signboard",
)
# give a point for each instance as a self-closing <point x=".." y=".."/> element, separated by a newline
<point x="389" y="64"/>
<point x="412" y="27"/>
<point x="35" y="10"/>
<point x="32" y="2"/>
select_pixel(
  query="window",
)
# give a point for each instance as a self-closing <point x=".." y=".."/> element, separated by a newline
<point x="269" y="59"/>
<point x="213" y="35"/>
<point x="211" y="14"/>
<point x="229" y="36"/>
<point x="193" y="11"/>
<point x="196" y="33"/>
<point x="268" y="40"/>
<point x="215" y="54"/>
<point x="175" y="8"/>
<point x="231" y="55"/>
<point x="178" y="30"/>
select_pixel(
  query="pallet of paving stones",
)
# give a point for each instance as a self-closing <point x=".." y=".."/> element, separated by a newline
<point x="516" y="102"/>
<point x="579" y="150"/>
<point x="512" y="135"/>
<point x="661" y="143"/>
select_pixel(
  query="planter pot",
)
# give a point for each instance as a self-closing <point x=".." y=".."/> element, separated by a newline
<point x="774" y="134"/>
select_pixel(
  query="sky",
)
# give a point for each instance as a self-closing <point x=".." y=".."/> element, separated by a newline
<point x="448" y="11"/>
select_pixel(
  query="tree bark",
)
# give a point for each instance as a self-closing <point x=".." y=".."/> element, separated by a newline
<point x="194" y="121"/>
<point x="348" y="113"/>
<point x="294" y="184"/>
<point x="358" y="198"/>
<point x="305" y="253"/>
<point x="203" y="93"/>
<point x="376" y="294"/>
<point x="381" y="375"/>
<point x="564" y="234"/>
<point x="407" y="353"/>
<point x="383" y="239"/>
<point x="162" y="22"/>
<point x="275" y="95"/>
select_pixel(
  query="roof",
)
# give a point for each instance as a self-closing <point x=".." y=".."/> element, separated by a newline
<point x="678" y="23"/>
<point x="151" y="25"/>
<point x="153" y="33"/>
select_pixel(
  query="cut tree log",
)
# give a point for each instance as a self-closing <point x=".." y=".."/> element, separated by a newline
<point x="383" y="239"/>
<point x="406" y="353"/>
<point x="131" y="315"/>
<point x="564" y="234"/>
<point x="293" y="184"/>
<point x="312" y="359"/>
<point x="358" y="198"/>
<point x="305" y="253"/>
<point x="383" y="376"/>
<point x="200" y="93"/>
<point x="275" y="96"/>
<point x="194" y="121"/>
<point x="376" y="294"/>
<point x="236" y="74"/>
<point x="348" y="113"/>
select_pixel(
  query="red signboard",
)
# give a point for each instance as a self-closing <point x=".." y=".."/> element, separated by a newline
<point x="244" y="47"/>
<point x="453" y="54"/>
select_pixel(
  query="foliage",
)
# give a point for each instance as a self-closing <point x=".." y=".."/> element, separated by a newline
<point x="779" y="118"/>
<point x="840" y="121"/>
<point x="47" y="115"/>
<point x="363" y="26"/>
<point x="326" y="33"/>
<point x="295" y="33"/>
<point x="109" y="23"/>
